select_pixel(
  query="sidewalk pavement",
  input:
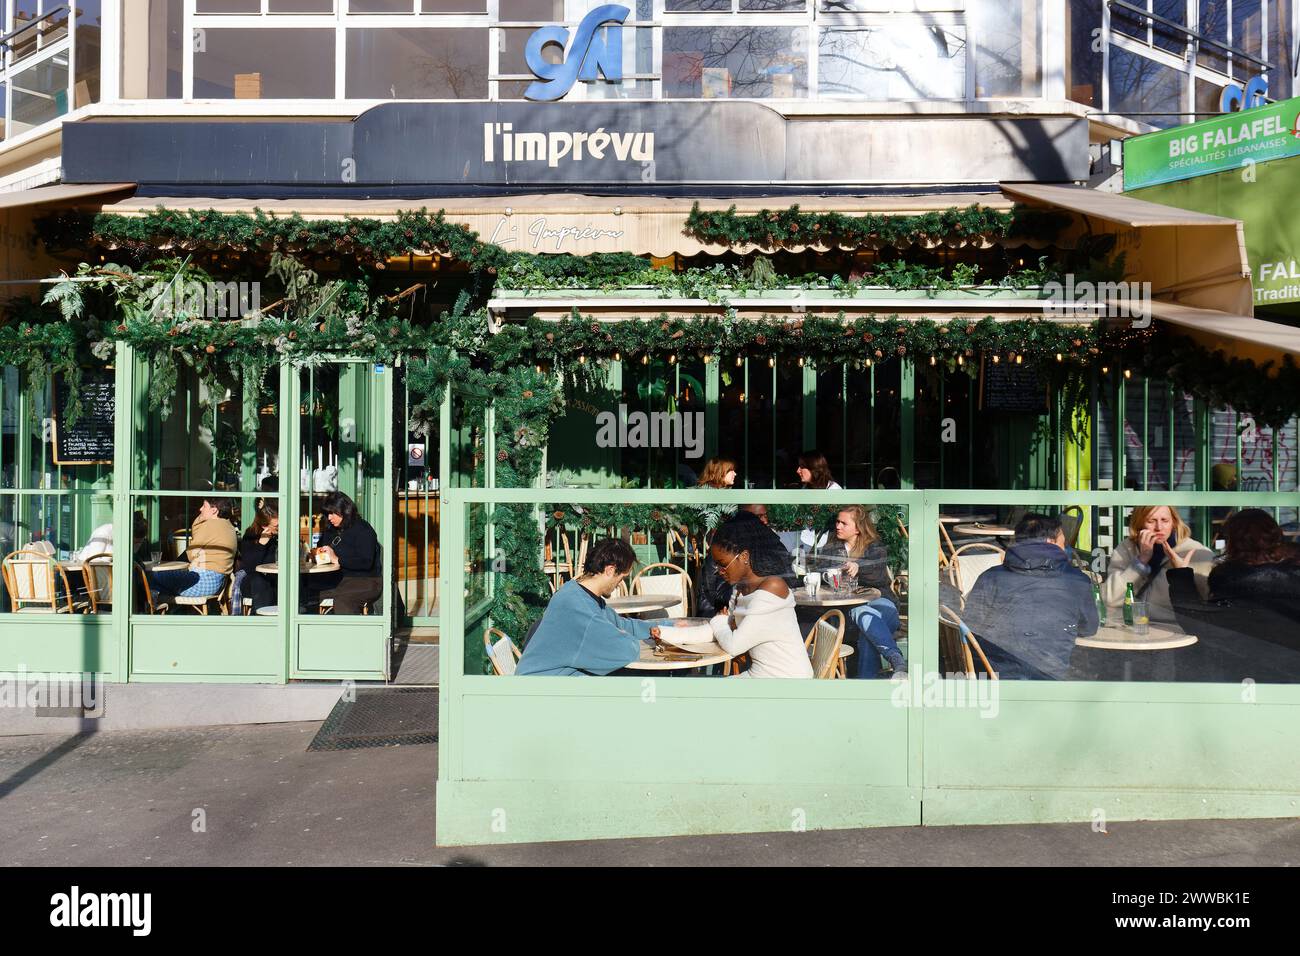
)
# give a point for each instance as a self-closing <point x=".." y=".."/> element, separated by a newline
<point x="254" y="796"/>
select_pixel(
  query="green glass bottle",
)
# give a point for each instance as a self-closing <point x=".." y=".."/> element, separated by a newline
<point x="1128" y="605"/>
<point x="1101" y="606"/>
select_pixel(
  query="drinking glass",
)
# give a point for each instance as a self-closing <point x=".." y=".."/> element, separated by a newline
<point x="1141" y="620"/>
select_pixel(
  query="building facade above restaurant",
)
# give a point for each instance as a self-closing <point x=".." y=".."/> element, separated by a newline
<point x="1125" y="65"/>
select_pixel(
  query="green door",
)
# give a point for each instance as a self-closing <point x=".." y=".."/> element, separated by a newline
<point x="339" y="438"/>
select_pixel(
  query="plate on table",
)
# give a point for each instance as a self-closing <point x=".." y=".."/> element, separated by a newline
<point x="692" y="633"/>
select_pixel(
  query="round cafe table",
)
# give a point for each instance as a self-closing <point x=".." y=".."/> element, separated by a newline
<point x="979" y="529"/>
<point x="965" y="519"/>
<point x="667" y="658"/>
<point x="169" y="566"/>
<point x="827" y="598"/>
<point x="641" y="603"/>
<point x="1121" y="637"/>
<point x="274" y="568"/>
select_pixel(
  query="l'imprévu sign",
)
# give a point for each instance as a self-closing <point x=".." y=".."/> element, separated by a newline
<point x="1212" y="145"/>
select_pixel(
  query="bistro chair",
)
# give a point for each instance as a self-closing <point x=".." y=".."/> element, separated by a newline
<point x="970" y="561"/>
<point x="1072" y="523"/>
<point x="97" y="569"/>
<point x="556" y="567"/>
<point x="956" y="644"/>
<point x="155" y="607"/>
<point x="675" y="583"/>
<point x="502" y="652"/>
<point x="222" y="599"/>
<point x="326" y="606"/>
<point x="32" y="579"/>
<point x="823" y="644"/>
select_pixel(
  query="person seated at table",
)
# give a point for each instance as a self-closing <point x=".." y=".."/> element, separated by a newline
<point x="1139" y="560"/>
<point x="100" y="542"/>
<point x="1029" y="609"/>
<point x="718" y="473"/>
<point x="770" y="557"/>
<point x="760" y="620"/>
<point x="350" y="542"/>
<point x="579" y="634"/>
<point x="1254" y="591"/>
<point x="814" y="471"/>
<point x="259" y="545"/>
<point x="211" y="554"/>
<point x="864" y="559"/>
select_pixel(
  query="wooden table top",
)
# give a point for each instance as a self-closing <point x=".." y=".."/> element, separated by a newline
<point x="964" y="519"/>
<point x="701" y="655"/>
<point x="979" y="528"/>
<point x="639" y="603"/>
<point x="1120" y="637"/>
<point x="274" y="568"/>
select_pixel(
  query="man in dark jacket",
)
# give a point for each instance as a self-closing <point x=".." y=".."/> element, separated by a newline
<point x="770" y="557"/>
<point x="1029" y="609"/>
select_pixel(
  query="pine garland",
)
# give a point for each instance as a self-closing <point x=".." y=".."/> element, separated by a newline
<point x="776" y="228"/>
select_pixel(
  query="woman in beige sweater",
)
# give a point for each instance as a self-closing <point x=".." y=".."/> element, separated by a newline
<point x="213" y="544"/>
<point x="1140" y="560"/>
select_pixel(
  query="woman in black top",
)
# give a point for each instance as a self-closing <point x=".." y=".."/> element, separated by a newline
<point x="348" y="540"/>
<point x="259" y="546"/>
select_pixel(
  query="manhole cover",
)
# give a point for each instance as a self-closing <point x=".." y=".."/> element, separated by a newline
<point x="381" y="717"/>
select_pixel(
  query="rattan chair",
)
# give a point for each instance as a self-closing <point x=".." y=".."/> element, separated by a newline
<point x="97" y="570"/>
<point x="560" y="566"/>
<point x="958" y="646"/>
<point x="154" y="607"/>
<point x="970" y="561"/>
<point x="32" y="579"/>
<point x="201" y="602"/>
<point x="502" y="652"/>
<point x="823" y="644"/>
<point x="675" y="583"/>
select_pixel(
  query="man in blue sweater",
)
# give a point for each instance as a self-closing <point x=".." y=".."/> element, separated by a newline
<point x="579" y="635"/>
<point x="1028" y="610"/>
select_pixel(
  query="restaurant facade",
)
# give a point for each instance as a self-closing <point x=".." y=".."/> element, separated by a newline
<point x="508" y="274"/>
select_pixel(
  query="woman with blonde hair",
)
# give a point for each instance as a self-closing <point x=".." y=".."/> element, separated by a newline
<point x="718" y="473"/>
<point x="1141" y="560"/>
<point x="864" y="559"/>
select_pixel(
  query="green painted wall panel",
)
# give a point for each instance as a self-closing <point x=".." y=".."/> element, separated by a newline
<point x="81" y="644"/>
<point x="207" y="647"/>
<point x="1101" y="744"/>
<point x="646" y="736"/>
<point x="351" y="647"/>
<point x="482" y="812"/>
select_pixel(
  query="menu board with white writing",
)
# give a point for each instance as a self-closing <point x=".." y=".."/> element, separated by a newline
<point x="1007" y="387"/>
<point x="90" y="440"/>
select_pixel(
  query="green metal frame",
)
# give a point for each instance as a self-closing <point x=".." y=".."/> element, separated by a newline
<point x="528" y="759"/>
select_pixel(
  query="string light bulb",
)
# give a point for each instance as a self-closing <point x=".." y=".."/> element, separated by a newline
<point x="1105" y="370"/>
<point x="706" y="359"/>
<point x="801" y="361"/>
<point x="961" y="360"/>
<point x="618" y="357"/>
<point x="771" y="363"/>
<point x="996" y="360"/>
<point x="1128" y="373"/>
<point x="645" y="359"/>
<point x="672" y="359"/>
<point x="582" y="360"/>
<point x="739" y="361"/>
<point x="1059" y="357"/>
<point x="931" y="361"/>
<point x="1020" y="360"/>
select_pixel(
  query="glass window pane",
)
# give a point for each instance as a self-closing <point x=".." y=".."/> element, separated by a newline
<point x="693" y="6"/>
<point x="44" y="540"/>
<point x="757" y="6"/>
<point x="1007" y="60"/>
<point x="1083" y="52"/>
<point x="152" y="51"/>
<point x="264" y="64"/>
<point x="510" y="59"/>
<point x="228" y="6"/>
<point x="899" y="61"/>
<point x="417" y="64"/>
<point x="1167" y="38"/>
<point x="721" y="62"/>
<point x="529" y="11"/>
<point x="1281" y="43"/>
<point x="86" y="86"/>
<point x="1247" y="36"/>
<point x="453" y="6"/>
<point x="40" y="94"/>
<point x="301" y="6"/>
<point x="1139" y="85"/>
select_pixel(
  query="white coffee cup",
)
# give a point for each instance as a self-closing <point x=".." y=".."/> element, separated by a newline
<point x="812" y="583"/>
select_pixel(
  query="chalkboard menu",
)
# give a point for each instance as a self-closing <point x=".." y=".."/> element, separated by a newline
<point x="90" y="441"/>
<point x="1007" y="387"/>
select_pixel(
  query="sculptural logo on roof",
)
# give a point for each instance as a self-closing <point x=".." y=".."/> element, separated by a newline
<point x="597" y="50"/>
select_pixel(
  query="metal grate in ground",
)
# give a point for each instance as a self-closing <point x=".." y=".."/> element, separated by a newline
<point x="415" y="664"/>
<point x="381" y="717"/>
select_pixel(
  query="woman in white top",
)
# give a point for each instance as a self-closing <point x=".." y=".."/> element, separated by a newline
<point x="1141" y="560"/>
<point x="761" y="619"/>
